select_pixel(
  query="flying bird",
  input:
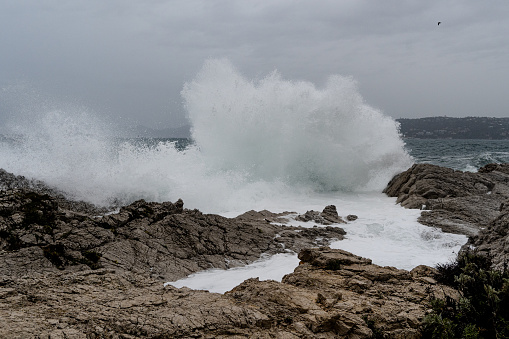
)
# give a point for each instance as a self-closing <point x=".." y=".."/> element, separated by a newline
<point x="439" y="23"/>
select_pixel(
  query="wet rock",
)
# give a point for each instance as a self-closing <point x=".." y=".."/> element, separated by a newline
<point x="330" y="259"/>
<point x="160" y="240"/>
<point x="422" y="182"/>
<point x="68" y="273"/>
<point x="474" y="204"/>
<point x="455" y="201"/>
<point x="351" y="217"/>
<point x="9" y="181"/>
<point x="328" y="216"/>
<point x="494" y="239"/>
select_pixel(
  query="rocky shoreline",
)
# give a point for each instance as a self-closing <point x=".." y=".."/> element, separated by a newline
<point x="474" y="204"/>
<point x="70" y="270"/>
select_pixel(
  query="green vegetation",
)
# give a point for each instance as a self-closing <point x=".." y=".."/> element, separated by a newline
<point x="482" y="311"/>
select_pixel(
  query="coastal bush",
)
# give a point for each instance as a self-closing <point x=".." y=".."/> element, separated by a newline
<point x="482" y="311"/>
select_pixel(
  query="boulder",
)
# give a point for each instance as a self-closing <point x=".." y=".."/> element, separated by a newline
<point x="328" y="216"/>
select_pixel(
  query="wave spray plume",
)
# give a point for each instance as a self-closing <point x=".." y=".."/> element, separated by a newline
<point x="274" y="129"/>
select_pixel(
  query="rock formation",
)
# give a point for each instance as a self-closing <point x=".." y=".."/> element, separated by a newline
<point x="331" y="294"/>
<point x="328" y="216"/>
<point x="68" y="270"/>
<point x="160" y="240"/>
<point x="474" y="204"/>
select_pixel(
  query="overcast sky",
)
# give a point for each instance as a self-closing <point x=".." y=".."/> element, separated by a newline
<point x="130" y="59"/>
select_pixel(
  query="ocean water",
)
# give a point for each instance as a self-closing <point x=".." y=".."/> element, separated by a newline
<point x="463" y="155"/>
<point x="265" y="143"/>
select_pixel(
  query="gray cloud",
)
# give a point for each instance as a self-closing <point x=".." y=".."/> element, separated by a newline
<point x="130" y="60"/>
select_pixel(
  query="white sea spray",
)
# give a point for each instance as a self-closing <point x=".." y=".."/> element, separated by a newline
<point x="275" y="129"/>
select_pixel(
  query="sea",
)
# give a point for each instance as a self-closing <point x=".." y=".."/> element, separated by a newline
<point x="265" y="143"/>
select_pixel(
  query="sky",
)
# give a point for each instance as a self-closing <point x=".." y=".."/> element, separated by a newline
<point x="128" y="60"/>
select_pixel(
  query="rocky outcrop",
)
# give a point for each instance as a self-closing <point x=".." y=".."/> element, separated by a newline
<point x="331" y="294"/>
<point x="107" y="304"/>
<point x="494" y="239"/>
<point x="9" y="181"/>
<point x="67" y="270"/>
<point x="475" y="204"/>
<point x="160" y="240"/>
<point x="455" y="201"/>
<point x="336" y="294"/>
<point x="328" y="216"/>
<point x="424" y="182"/>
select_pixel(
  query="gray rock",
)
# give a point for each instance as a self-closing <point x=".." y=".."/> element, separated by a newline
<point x="474" y="204"/>
<point x="328" y="216"/>
<point x="351" y="217"/>
<point x="159" y="240"/>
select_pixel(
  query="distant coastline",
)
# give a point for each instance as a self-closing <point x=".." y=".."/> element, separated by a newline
<point x="419" y="128"/>
<point x="455" y="128"/>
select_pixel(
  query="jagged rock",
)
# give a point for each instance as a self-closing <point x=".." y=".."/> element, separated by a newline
<point x="161" y="240"/>
<point x="348" y="300"/>
<point x="312" y="302"/>
<point x="331" y="259"/>
<point x="264" y="215"/>
<point x="103" y="303"/>
<point x="328" y="216"/>
<point x="494" y="239"/>
<point x="455" y="201"/>
<point x="502" y="168"/>
<point x="422" y="182"/>
<point x="9" y="181"/>
<point x="65" y="272"/>
<point x="474" y="204"/>
<point x="295" y="238"/>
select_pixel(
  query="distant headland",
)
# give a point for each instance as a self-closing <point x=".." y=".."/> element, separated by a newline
<point x="421" y="128"/>
<point x="455" y="128"/>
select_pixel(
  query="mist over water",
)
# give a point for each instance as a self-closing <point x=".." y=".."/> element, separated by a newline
<point x="256" y="142"/>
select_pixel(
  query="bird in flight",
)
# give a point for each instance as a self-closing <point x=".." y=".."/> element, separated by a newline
<point x="439" y="23"/>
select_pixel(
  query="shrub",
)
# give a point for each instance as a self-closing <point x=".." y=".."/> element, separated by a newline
<point x="482" y="311"/>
